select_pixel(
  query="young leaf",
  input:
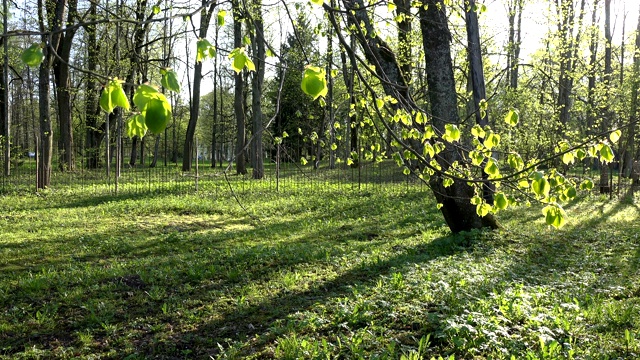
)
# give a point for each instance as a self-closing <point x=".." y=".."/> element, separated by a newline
<point x="492" y="140"/>
<point x="451" y="133"/>
<point x="586" y="185"/>
<point x="157" y="114"/>
<point x="477" y="131"/>
<point x="203" y="49"/>
<point x="33" y="55"/>
<point x="512" y="117"/>
<point x="144" y="93"/>
<point x="614" y="136"/>
<point x="554" y="215"/>
<point x="118" y="97"/>
<point x="483" y="209"/>
<point x="318" y="2"/>
<point x="606" y="154"/>
<point x="156" y="9"/>
<point x="105" y="100"/>
<point x="515" y="161"/>
<point x="540" y="185"/>
<point x="568" y="158"/>
<point x="314" y="82"/>
<point x="491" y="169"/>
<point x="170" y="81"/>
<point x="221" y="15"/>
<point x="500" y="201"/>
<point x="136" y="126"/>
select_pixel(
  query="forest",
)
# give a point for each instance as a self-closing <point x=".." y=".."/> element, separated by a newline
<point x="392" y="179"/>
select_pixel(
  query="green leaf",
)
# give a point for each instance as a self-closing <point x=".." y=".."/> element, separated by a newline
<point x="446" y="182"/>
<point x="136" y="126"/>
<point x="451" y="133"/>
<point x="156" y="9"/>
<point x="570" y="192"/>
<point x="33" y="55"/>
<point x="614" y="136"/>
<point x="491" y="168"/>
<point x="540" y="185"/>
<point x="317" y="2"/>
<point x="568" y="158"/>
<point x="586" y="185"/>
<point x="203" y="47"/>
<point x="515" y="161"/>
<point x="240" y="60"/>
<point x="581" y="154"/>
<point x="428" y="133"/>
<point x="105" y="100"/>
<point x="477" y="131"/>
<point x="314" y="82"/>
<point x="554" y="215"/>
<point x="500" y="201"/>
<point x="303" y="161"/>
<point x="170" y="81"/>
<point x="477" y="157"/>
<point x="157" y="114"/>
<point x="144" y="93"/>
<point x="606" y="154"/>
<point x="221" y="15"/>
<point x="113" y="95"/>
<point x="492" y="140"/>
<point x="512" y="117"/>
<point x="483" y="209"/>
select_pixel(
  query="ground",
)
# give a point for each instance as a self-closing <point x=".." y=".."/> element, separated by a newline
<point x="313" y="272"/>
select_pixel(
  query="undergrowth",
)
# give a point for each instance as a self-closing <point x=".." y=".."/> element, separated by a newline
<point x="311" y="273"/>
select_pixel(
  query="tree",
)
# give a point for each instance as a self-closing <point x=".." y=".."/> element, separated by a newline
<point x="63" y="88"/>
<point x="258" y="44"/>
<point x="205" y="19"/>
<point x="455" y="198"/>
<point x="299" y="116"/>
<point x="476" y="73"/>
<point x="238" y="102"/>
<point x="53" y="11"/>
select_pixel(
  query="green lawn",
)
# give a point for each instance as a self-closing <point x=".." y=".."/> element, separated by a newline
<point x="311" y="273"/>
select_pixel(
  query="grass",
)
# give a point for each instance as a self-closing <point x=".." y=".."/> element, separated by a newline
<point x="311" y="273"/>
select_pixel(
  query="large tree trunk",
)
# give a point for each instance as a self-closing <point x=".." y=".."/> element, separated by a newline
<point x="238" y="103"/>
<point x="54" y="15"/>
<point x="63" y="91"/>
<point x="205" y="18"/>
<point x="458" y="212"/>
<point x="256" y="103"/>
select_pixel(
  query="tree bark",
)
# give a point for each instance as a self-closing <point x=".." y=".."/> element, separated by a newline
<point x="55" y="13"/>
<point x="205" y="19"/>
<point x="606" y="119"/>
<point x="63" y="91"/>
<point x="631" y="134"/>
<point x="238" y="103"/>
<point x="256" y="98"/>
<point x="476" y="71"/>
<point x="458" y="212"/>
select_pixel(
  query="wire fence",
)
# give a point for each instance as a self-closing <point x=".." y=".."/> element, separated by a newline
<point x="280" y="175"/>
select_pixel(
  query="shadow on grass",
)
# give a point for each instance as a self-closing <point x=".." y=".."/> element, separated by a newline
<point x="256" y="318"/>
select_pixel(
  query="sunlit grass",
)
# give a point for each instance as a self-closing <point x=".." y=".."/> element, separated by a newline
<point x="311" y="273"/>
